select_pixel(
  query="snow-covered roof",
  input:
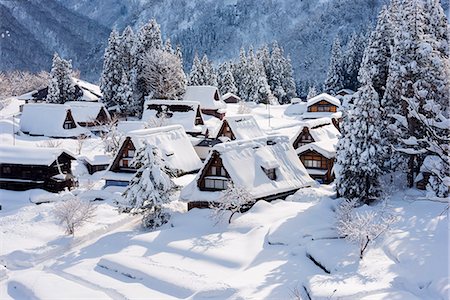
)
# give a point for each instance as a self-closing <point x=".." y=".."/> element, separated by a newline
<point x="177" y="112"/>
<point x="127" y="126"/>
<point x="345" y="91"/>
<point x="244" y="160"/>
<point x="93" y="89"/>
<point x="321" y="114"/>
<point x="97" y="159"/>
<point x="228" y="95"/>
<point x="38" y="156"/>
<point x="327" y="148"/>
<point x="48" y="120"/>
<point x="295" y="109"/>
<point x="321" y="129"/>
<point x="27" y="96"/>
<point x="84" y="111"/>
<point x="208" y="96"/>
<point x="174" y="144"/>
<point x="325" y="97"/>
<point x="244" y="127"/>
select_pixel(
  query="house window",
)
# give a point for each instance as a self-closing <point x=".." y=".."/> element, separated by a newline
<point x="310" y="163"/>
<point x="68" y="125"/>
<point x="216" y="183"/>
<point x="6" y="170"/>
<point x="218" y="171"/>
<point x="125" y="163"/>
<point x="130" y="153"/>
<point x="270" y="173"/>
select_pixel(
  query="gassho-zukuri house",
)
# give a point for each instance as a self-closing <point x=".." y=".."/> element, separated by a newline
<point x="211" y="102"/>
<point x="23" y="168"/>
<point x="315" y="144"/>
<point x="172" y="141"/>
<point x="267" y="167"/>
<point x="239" y="127"/>
<point x="172" y="112"/>
<point x="323" y="105"/>
<point x="89" y="114"/>
<point x="51" y="120"/>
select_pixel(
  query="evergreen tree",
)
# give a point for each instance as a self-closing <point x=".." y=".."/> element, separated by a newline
<point x="179" y="54"/>
<point x="276" y="72"/>
<point x="240" y="74"/>
<point x="335" y="77"/>
<point x="312" y="92"/>
<point x="418" y="81"/>
<point x="61" y="87"/>
<point x="288" y="81"/>
<point x="360" y="149"/>
<point x="375" y="62"/>
<point x="150" y="188"/>
<point x="112" y="69"/>
<point x="124" y="96"/>
<point x="226" y="82"/>
<point x="126" y="49"/>
<point x="208" y="74"/>
<point x="257" y="88"/>
<point x="196" y="69"/>
<point x="168" y="46"/>
<point x="352" y="61"/>
<point x="263" y="55"/>
<point x="149" y="37"/>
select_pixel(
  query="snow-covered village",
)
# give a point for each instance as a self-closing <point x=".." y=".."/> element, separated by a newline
<point x="224" y="149"/>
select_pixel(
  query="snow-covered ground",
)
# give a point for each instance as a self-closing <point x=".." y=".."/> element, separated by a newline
<point x="279" y="250"/>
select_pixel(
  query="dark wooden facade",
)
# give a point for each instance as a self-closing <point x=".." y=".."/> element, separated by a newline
<point x="303" y="138"/>
<point x="231" y="99"/>
<point x="225" y="131"/>
<point x="21" y="177"/>
<point x="214" y="177"/>
<point x="315" y="161"/>
<point x="122" y="161"/>
<point x="214" y="113"/>
<point x="322" y="106"/>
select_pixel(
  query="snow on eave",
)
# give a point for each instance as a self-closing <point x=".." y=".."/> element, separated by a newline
<point x="38" y="156"/>
<point x="228" y="95"/>
<point x="84" y="111"/>
<point x="27" y="96"/>
<point x="244" y="161"/>
<point x="87" y="86"/>
<point x="244" y="127"/>
<point x="205" y="95"/>
<point x="47" y="119"/>
<point x="325" y="97"/>
<point x="326" y="148"/>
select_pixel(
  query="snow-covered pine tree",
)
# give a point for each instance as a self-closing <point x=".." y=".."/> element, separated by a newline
<point x="425" y="94"/>
<point x="240" y="74"/>
<point x="179" y="54"/>
<point x="276" y="72"/>
<point x="208" y="74"/>
<point x="225" y="79"/>
<point x="196" y="69"/>
<point x="352" y="61"/>
<point x="168" y="46"/>
<point x="257" y="89"/>
<point x="312" y="92"/>
<point x="288" y="81"/>
<point x="375" y="62"/>
<point x="263" y="55"/>
<point x="112" y="69"/>
<point x="124" y="95"/>
<point x="163" y="75"/>
<point x="150" y="188"/>
<point x="335" y="77"/>
<point x="360" y="149"/>
<point x="61" y="87"/>
<point x="126" y="49"/>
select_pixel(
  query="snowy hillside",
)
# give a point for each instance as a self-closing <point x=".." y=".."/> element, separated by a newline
<point x="218" y="28"/>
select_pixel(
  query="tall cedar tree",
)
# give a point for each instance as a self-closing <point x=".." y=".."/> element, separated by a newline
<point x="335" y="75"/>
<point x="225" y="79"/>
<point x="112" y="69"/>
<point x="360" y="149"/>
<point x="61" y="87"/>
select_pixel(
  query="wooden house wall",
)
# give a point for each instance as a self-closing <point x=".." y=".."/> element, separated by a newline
<point x="225" y="130"/>
<point x="322" y="106"/>
<point x="325" y="164"/>
<point x="214" y="164"/>
<point x="123" y="152"/>
<point x="303" y="138"/>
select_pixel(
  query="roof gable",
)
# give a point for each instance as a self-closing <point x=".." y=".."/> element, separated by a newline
<point x="48" y="120"/>
<point x="244" y="127"/>
<point x="208" y="97"/>
<point x="86" y="112"/>
<point x="324" y="97"/>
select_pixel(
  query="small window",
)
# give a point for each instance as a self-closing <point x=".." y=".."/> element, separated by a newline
<point x="6" y="170"/>
<point x="309" y="163"/>
<point x="213" y="170"/>
<point x="216" y="184"/>
<point x="270" y="173"/>
<point x="130" y="153"/>
<point x="222" y="172"/>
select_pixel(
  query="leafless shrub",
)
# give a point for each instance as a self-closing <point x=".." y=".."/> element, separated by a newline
<point x="73" y="213"/>
<point x="50" y="144"/>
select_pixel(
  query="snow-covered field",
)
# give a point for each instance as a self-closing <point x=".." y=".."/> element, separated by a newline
<point x="279" y="250"/>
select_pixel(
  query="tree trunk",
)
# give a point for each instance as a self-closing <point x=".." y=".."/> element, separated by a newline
<point x="410" y="176"/>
